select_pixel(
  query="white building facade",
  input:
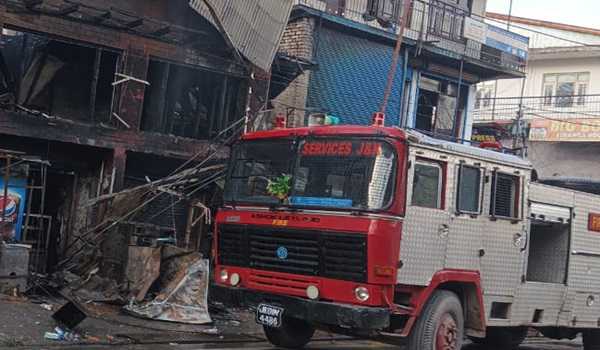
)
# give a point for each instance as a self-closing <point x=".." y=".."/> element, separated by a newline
<point x="558" y="101"/>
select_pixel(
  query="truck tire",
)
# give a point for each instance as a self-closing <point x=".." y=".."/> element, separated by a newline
<point x="293" y="334"/>
<point x="503" y="338"/>
<point x="591" y="340"/>
<point x="440" y="325"/>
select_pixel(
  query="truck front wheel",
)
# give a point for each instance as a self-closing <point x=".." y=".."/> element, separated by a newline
<point x="440" y="325"/>
<point x="293" y="334"/>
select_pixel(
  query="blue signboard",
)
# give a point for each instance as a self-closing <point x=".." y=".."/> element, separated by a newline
<point x="321" y="202"/>
<point x="12" y="209"/>
<point x="506" y="41"/>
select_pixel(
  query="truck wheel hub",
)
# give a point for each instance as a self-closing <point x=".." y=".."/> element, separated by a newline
<point x="447" y="334"/>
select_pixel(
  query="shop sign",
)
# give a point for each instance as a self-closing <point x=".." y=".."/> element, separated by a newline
<point x="506" y="41"/>
<point x="475" y="30"/>
<point x="485" y="134"/>
<point x="568" y="130"/>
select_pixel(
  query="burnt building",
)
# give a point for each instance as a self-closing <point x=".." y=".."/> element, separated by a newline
<point x="114" y="94"/>
<point x="447" y="48"/>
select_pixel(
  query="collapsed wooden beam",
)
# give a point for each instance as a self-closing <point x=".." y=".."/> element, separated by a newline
<point x="135" y="23"/>
<point x="32" y="3"/>
<point x="67" y="10"/>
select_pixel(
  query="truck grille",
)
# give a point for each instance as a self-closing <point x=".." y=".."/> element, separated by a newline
<point x="340" y="256"/>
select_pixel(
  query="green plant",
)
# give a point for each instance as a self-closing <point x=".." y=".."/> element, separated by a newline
<point x="280" y="186"/>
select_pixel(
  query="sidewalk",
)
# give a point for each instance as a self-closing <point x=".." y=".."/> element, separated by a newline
<point x="23" y="324"/>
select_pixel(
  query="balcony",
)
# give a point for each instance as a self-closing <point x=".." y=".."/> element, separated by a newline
<point x="556" y="108"/>
<point x="439" y="27"/>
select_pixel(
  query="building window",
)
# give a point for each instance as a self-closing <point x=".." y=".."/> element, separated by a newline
<point x="581" y="92"/>
<point x="427" y="185"/>
<point x="386" y="12"/>
<point x="439" y="108"/>
<point x="505" y="196"/>
<point x="565" y="89"/>
<point x="335" y="6"/>
<point x="469" y="188"/>
<point x="485" y="94"/>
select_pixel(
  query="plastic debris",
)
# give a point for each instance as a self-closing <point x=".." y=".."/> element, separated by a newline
<point x="61" y="334"/>
<point x="211" y="331"/>
<point x="47" y="307"/>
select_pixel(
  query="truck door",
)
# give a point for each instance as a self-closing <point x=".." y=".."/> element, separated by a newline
<point x="549" y="242"/>
<point x="504" y="234"/>
<point x="467" y="221"/>
<point x="425" y="232"/>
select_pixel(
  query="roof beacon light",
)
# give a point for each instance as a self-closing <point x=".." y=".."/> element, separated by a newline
<point x="378" y="119"/>
<point x="280" y="121"/>
<point x="493" y="145"/>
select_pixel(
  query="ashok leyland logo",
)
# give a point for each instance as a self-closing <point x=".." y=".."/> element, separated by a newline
<point x="282" y="253"/>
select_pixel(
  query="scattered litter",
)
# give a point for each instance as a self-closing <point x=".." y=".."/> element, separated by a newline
<point x="69" y="315"/>
<point x="211" y="331"/>
<point x="61" y="334"/>
<point x="47" y="307"/>
<point x="92" y="339"/>
<point x="52" y="336"/>
<point x="184" y="292"/>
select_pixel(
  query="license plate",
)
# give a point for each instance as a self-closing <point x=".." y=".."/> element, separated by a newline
<point x="269" y="315"/>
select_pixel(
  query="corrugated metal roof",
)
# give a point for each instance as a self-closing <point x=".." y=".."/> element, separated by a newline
<point x="351" y="78"/>
<point x="254" y="27"/>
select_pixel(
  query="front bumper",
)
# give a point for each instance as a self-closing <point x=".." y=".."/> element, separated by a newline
<point x="315" y="312"/>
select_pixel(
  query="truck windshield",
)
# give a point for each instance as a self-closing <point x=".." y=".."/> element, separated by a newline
<point x="355" y="174"/>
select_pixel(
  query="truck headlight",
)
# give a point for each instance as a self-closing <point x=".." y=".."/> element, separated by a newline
<point x="234" y="280"/>
<point x="224" y="275"/>
<point x="361" y="294"/>
<point x="312" y="292"/>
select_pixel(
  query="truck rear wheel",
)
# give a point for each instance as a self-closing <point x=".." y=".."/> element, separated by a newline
<point x="440" y="325"/>
<point x="293" y="334"/>
<point x="591" y="340"/>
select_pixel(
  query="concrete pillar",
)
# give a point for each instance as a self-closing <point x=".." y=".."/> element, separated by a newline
<point x="114" y="249"/>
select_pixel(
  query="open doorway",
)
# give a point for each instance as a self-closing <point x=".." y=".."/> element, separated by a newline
<point x="549" y="244"/>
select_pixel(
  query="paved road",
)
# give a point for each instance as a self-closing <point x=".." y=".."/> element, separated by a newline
<point x="534" y="344"/>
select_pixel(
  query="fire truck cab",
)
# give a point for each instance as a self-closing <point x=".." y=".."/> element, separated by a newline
<point x="392" y="235"/>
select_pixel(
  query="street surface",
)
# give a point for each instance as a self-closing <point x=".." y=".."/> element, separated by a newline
<point x="22" y="326"/>
<point x="533" y="344"/>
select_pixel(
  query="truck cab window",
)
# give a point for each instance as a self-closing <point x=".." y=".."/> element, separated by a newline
<point x="505" y="196"/>
<point x="469" y="188"/>
<point x="427" y="185"/>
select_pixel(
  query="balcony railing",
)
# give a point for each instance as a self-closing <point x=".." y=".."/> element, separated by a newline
<point x="442" y="25"/>
<point x="548" y="107"/>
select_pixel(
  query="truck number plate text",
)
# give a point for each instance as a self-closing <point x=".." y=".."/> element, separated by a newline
<point x="269" y="315"/>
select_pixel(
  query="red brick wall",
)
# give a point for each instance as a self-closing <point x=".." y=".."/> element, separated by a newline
<point x="297" y="40"/>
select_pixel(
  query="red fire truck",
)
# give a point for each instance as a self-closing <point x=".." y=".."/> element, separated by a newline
<point x="388" y="234"/>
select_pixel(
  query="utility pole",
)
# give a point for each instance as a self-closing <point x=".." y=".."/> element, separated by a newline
<point x="509" y="15"/>
<point x="396" y="56"/>
<point x="518" y="130"/>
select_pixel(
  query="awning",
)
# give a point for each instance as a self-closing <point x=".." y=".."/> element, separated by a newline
<point x="254" y="27"/>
